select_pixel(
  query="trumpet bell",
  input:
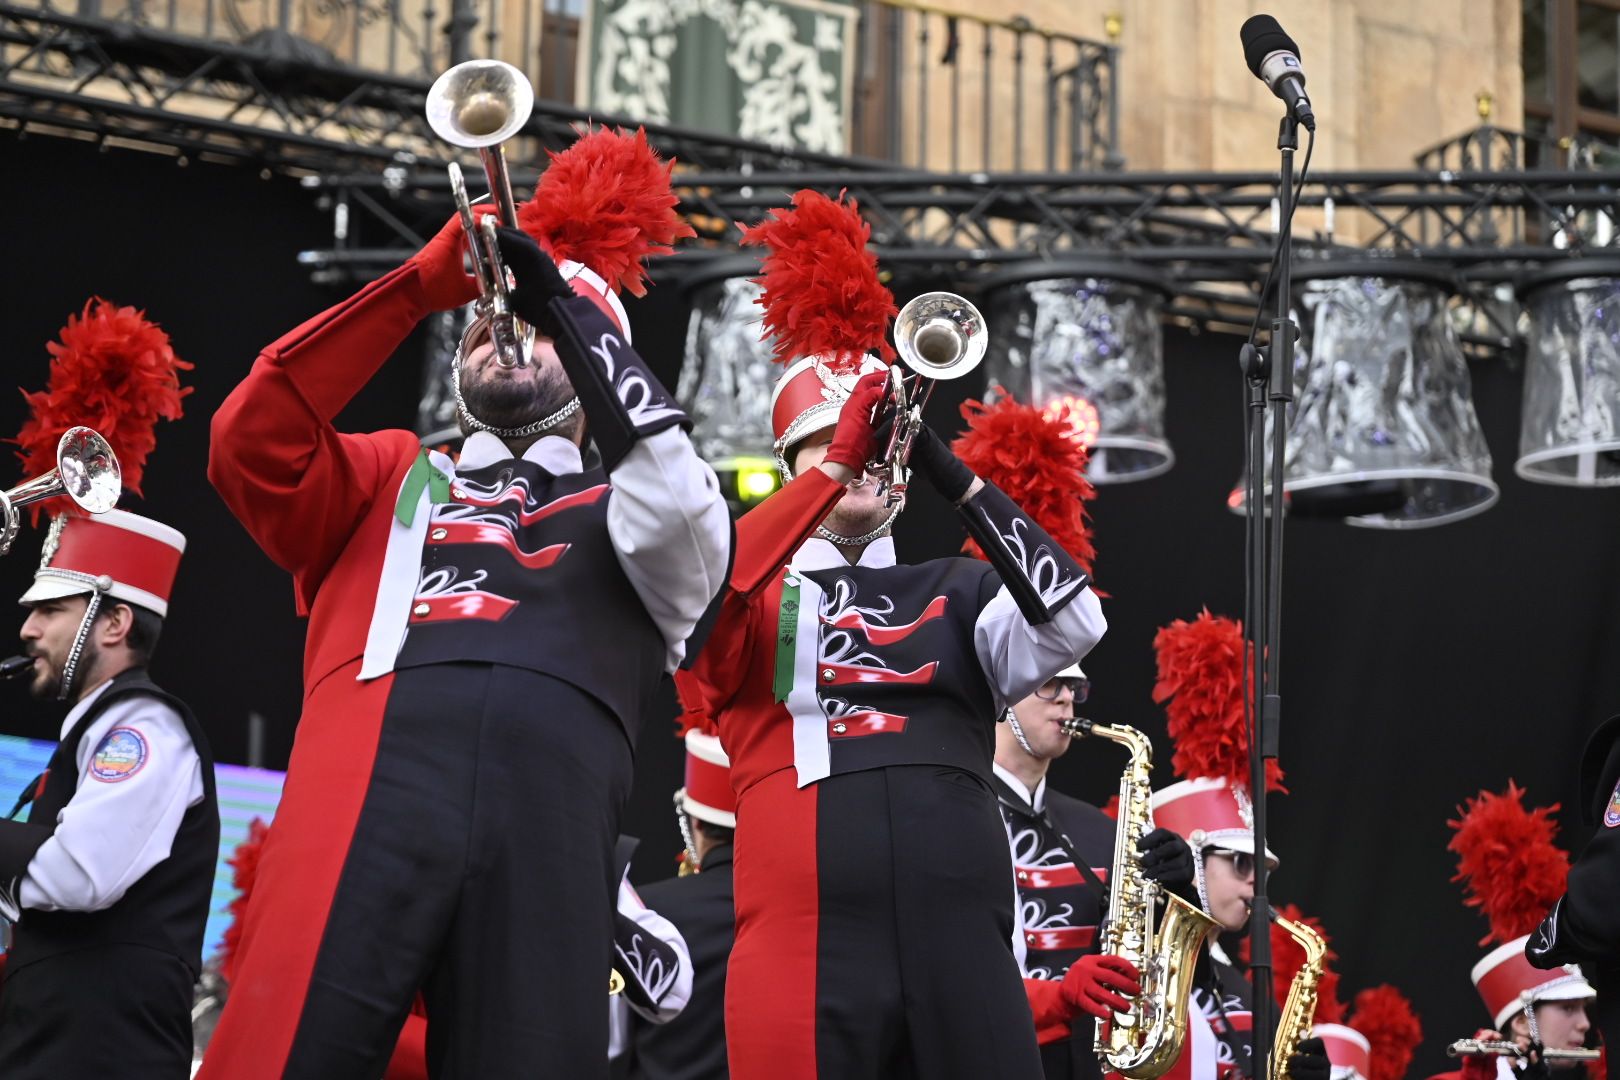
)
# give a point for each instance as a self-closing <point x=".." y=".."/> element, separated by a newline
<point x="86" y="471"/>
<point x="479" y="103"/>
<point x="940" y="335"/>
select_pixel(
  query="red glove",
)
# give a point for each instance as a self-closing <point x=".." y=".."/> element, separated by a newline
<point x="1481" y="1066"/>
<point x="446" y="285"/>
<point x="1094" y="984"/>
<point x="851" y="444"/>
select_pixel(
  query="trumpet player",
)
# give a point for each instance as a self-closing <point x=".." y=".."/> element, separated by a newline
<point x="485" y="635"/>
<point x="855" y="697"/>
<point x="109" y="875"/>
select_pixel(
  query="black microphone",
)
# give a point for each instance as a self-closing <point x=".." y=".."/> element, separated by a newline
<point x="15" y="666"/>
<point x="1274" y="59"/>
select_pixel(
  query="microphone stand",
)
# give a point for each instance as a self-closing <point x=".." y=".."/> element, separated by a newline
<point x="1269" y="373"/>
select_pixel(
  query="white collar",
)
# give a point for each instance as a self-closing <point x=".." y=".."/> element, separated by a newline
<point x="553" y="453"/>
<point x="1036" y="796"/>
<point x="82" y="707"/>
<point x="818" y="554"/>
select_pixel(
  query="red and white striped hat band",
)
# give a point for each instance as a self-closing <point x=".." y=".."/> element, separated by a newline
<point x="1506" y="982"/>
<point x="139" y="555"/>
<point x="1348" y="1051"/>
<point x="1206" y="812"/>
<point x="707" y="795"/>
<point x="589" y="284"/>
<point x="808" y="397"/>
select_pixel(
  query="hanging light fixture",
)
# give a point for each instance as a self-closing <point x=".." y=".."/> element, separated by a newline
<point x="726" y="379"/>
<point x="1382" y="431"/>
<point x="1085" y="334"/>
<point x="1569" y="427"/>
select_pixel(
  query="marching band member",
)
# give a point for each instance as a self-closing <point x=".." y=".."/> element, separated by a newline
<point x="698" y="903"/>
<point x="109" y="880"/>
<point x="1062" y="848"/>
<point x="1513" y="872"/>
<point x="485" y="635"/>
<point x="854" y="696"/>
<point x="1583" y="926"/>
<point x="1200" y="674"/>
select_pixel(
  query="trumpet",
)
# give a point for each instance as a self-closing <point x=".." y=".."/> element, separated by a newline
<point x="939" y="335"/>
<point x="478" y="105"/>
<point x="1504" y="1048"/>
<point x="86" y="471"/>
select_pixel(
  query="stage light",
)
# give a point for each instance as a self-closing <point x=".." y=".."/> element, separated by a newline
<point x="1086" y="333"/>
<point x="1569" y="426"/>
<point x="756" y="477"/>
<point x="1382" y="431"/>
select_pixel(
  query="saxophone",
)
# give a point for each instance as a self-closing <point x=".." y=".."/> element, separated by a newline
<point x="1146" y="1041"/>
<point x="1299" y="1010"/>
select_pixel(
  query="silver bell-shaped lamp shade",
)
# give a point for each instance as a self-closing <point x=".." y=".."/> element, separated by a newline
<point x="726" y="378"/>
<point x="1569" y="427"/>
<point x="1085" y="334"/>
<point x="1382" y="431"/>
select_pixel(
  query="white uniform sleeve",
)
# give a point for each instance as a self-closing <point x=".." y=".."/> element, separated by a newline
<point x="653" y="958"/>
<point x="1017" y="657"/>
<point x="138" y="773"/>
<point x="672" y="533"/>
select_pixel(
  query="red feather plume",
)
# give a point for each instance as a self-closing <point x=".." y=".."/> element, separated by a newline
<point x="1287" y="958"/>
<point x="114" y="371"/>
<point x="1512" y="870"/>
<point x="1201" y="675"/>
<point x="1385" y="1019"/>
<point x="606" y="202"/>
<point x="245" y="863"/>
<point x="1038" y="462"/>
<point x="822" y="294"/>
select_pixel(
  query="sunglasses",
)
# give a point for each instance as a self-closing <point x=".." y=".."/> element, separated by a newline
<point x="1242" y="862"/>
<point x="1079" y="688"/>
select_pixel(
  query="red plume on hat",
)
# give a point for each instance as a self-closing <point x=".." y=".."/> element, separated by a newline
<point x="606" y="202"/>
<point x="1201" y="676"/>
<point x="1385" y="1019"/>
<point x="1512" y="870"/>
<point x="822" y="293"/>
<point x="1037" y="461"/>
<point x="112" y="370"/>
<point x="1287" y="957"/>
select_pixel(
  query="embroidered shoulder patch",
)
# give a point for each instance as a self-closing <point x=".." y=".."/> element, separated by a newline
<point x="122" y="754"/>
<point x="1611" y="816"/>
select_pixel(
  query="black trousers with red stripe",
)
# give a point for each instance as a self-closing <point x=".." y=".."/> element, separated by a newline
<point x="896" y="935"/>
<point x="480" y="872"/>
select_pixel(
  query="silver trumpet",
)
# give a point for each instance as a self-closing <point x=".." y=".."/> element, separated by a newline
<point x="1505" y="1048"/>
<point x="939" y="335"/>
<point x="86" y="471"/>
<point x="478" y="105"/>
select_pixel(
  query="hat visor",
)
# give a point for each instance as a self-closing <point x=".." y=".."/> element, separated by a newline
<point x="1240" y="842"/>
<point x="1573" y="990"/>
<point x="44" y="589"/>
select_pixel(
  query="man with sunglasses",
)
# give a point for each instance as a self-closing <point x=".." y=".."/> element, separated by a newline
<point x="1061" y="850"/>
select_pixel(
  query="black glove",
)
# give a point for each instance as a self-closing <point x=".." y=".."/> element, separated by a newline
<point x="1167" y="859"/>
<point x="539" y="282"/>
<point x="1310" y="1061"/>
<point x="1542" y="948"/>
<point x="931" y="457"/>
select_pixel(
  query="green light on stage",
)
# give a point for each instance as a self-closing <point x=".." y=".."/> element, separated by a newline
<point x="756" y="478"/>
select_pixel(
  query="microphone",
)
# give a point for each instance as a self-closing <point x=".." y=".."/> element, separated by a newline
<point x="1274" y="59"/>
<point x="15" y="666"/>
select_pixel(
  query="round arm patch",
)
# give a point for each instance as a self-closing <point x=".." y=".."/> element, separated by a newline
<point x="121" y="754"/>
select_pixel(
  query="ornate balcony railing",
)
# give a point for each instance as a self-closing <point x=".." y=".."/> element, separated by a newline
<point x="324" y="84"/>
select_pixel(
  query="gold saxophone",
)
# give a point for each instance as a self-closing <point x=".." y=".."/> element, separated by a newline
<point x="1299" y="1010"/>
<point x="1146" y="1041"/>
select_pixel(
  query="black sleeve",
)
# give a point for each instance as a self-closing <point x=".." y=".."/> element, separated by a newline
<point x="623" y="400"/>
<point x="1039" y="574"/>
<point x="1585" y="924"/>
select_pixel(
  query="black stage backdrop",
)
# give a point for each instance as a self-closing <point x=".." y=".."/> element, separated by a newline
<point x="1418" y="667"/>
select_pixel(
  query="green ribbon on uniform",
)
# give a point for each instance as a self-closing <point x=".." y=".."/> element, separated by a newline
<point x="787" y="637"/>
<point x="422" y="476"/>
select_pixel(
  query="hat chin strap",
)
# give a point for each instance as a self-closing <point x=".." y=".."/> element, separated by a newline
<point x="857" y="541"/>
<point x="693" y="862"/>
<point x="1196" y="842"/>
<point x="523" y="432"/>
<point x="98" y="588"/>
